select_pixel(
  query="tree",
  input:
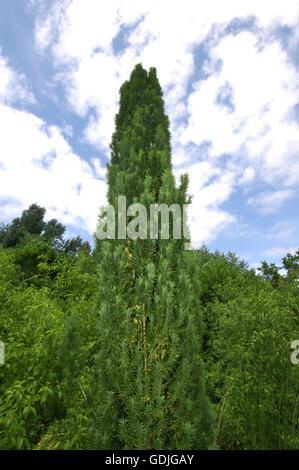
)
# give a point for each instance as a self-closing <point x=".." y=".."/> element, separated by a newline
<point x="53" y="231"/>
<point x="270" y="273"/>
<point x="40" y="396"/>
<point x="31" y="327"/>
<point x="251" y="380"/>
<point x="75" y="245"/>
<point x="291" y="264"/>
<point x="250" y="324"/>
<point x="32" y="219"/>
<point x="148" y="390"/>
<point x="30" y="223"/>
<point x="11" y="234"/>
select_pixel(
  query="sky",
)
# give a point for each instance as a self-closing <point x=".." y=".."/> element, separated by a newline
<point x="229" y="74"/>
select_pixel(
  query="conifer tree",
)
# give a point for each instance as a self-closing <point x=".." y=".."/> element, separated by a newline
<point x="148" y="388"/>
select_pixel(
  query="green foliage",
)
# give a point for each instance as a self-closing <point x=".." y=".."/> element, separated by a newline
<point x="271" y="273"/>
<point x="36" y="313"/>
<point x="250" y="379"/>
<point x="28" y="256"/>
<point x="291" y="265"/>
<point x="253" y="378"/>
<point x="148" y="388"/>
<point x="31" y="226"/>
<point x="30" y="327"/>
<point x="31" y="222"/>
<point x="140" y="344"/>
<point x="75" y="279"/>
<point x="53" y="231"/>
<point x="32" y="219"/>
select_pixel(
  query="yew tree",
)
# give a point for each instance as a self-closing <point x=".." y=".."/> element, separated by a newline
<point x="148" y="388"/>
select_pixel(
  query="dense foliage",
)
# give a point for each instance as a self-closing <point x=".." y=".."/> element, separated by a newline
<point x="148" y="390"/>
<point x="139" y="343"/>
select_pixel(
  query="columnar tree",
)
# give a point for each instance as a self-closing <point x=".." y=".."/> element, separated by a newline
<point x="148" y="389"/>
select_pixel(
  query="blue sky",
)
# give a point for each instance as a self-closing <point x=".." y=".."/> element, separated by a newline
<point x="229" y="72"/>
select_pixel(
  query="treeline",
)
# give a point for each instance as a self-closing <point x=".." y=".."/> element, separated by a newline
<point x="49" y="327"/>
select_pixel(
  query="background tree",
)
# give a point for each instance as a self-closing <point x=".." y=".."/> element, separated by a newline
<point x="250" y="324"/>
<point x="270" y="272"/>
<point x="53" y="231"/>
<point x="40" y="404"/>
<point x="291" y="265"/>
<point x="75" y="245"/>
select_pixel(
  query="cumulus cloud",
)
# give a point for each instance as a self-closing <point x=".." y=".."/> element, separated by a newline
<point x="209" y="187"/>
<point x="264" y="90"/>
<point x="81" y="33"/>
<point x="279" y="251"/>
<point x="239" y="100"/>
<point x="13" y="85"/>
<point x="39" y="166"/>
<point x="281" y="231"/>
<point x="270" y="202"/>
<point x="50" y="18"/>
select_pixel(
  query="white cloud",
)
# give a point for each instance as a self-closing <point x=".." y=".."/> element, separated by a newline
<point x="247" y="176"/>
<point x="13" y="86"/>
<point x="68" y="130"/>
<point x="279" y="251"/>
<point x="281" y="231"/>
<point x="255" y="266"/>
<point x="39" y="166"/>
<point x="48" y="21"/>
<point x="270" y="202"/>
<point x="265" y="89"/>
<point x="209" y="187"/>
<point x="99" y="169"/>
<point x="256" y="132"/>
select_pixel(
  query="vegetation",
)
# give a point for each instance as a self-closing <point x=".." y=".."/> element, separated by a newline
<point x="140" y="344"/>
